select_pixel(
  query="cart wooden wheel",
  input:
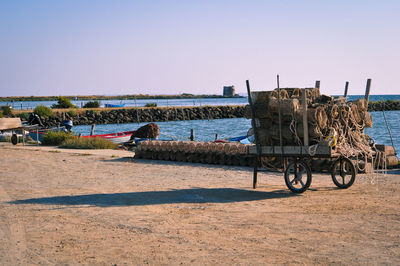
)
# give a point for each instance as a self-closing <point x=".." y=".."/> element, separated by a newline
<point x="298" y="176"/>
<point x="14" y="139"/>
<point x="343" y="173"/>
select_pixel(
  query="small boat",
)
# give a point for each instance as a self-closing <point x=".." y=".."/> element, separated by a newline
<point x="117" y="138"/>
<point x="237" y="139"/>
<point x="109" y="105"/>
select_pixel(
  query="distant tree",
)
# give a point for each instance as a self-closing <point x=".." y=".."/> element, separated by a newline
<point x="63" y="102"/>
<point x="7" y="111"/>
<point x="92" y="104"/>
<point x="150" y="105"/>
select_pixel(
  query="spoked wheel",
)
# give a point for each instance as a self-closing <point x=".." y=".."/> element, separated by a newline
<point x="14" y="139"/>
<point x="298" y="177"/>
<point x="343" y="173"/>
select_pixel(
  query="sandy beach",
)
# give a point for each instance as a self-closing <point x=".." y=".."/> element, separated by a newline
<point x="105" y="208"/>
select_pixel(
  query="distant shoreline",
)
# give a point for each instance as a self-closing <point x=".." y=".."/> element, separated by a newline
<point x="116" y="97"/>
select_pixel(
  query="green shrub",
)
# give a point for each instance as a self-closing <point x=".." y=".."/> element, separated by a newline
<point x="63" y="102"/>
<point x="92" y="104"/>
<point x="1" y="114"/>
<point x="23" y="116"/>
<point x="88" y="143"/>
<point x="71" y="113"/>
<point x="7" y="111"/>
<point x="151" y="105"/>
<point x="56" y="138"/>
<point x="43" y="111"/>
<point x="390" y="101"/>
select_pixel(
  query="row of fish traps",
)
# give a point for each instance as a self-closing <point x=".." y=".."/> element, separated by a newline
<point x="229" y="148"/>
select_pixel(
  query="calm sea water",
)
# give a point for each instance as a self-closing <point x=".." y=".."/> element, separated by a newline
<point x="174" y="102"/>
<point x="205" y="130"/>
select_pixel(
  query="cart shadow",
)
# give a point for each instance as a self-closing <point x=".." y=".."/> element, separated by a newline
<point x="194" y="195"/>
<point x="217" y="166"/>
<point x="161" y="162"/>
<point x="119" y="159"/>
<point x="324" y="189"/>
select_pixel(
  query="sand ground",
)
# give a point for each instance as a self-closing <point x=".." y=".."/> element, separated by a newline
<point x="106" y="209"/>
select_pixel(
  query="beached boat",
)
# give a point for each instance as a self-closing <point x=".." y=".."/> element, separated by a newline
<point x="109" y="105"/>
<point x="117" y="138"/>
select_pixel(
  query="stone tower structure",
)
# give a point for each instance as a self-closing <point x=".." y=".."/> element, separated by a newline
<point x="229" y="91"/>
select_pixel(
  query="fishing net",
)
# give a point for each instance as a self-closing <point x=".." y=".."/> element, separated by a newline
<point x="330" y="120"/>
<point x="150" y="131"/>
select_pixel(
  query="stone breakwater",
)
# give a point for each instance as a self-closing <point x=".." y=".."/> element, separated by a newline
<point x="388" y="105"/>
<point x="162" y="114"/>
<point x="134" y="115"/>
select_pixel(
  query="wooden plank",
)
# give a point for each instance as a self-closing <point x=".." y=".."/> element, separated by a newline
<point x="305" y="122"/>
<point x="321" y="151"/>
<point x="9" y="123"/>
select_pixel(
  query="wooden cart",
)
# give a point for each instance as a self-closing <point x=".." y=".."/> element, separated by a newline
<point x="297" y="173"/>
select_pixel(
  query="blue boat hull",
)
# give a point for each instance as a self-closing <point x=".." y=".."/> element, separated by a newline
<point x="108" y="105"/>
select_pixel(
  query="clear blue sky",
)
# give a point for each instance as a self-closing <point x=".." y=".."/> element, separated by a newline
<point x="168" y="47"/>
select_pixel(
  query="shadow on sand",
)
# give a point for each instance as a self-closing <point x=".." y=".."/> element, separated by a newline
<point x="161" y="162"/>
<point x="194" y="195"/>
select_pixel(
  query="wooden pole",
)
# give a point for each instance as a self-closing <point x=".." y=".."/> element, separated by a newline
<point x="92" y="130"/>
<point x="280" y="122"/>
<point x="254" y="126"/>
<point x="279" y="111"/>
<point x="192" y="134"/>
<point x="387" y="125"/>
<point x="346" y="89"/>
<point x="305" y="122"/>
<point x="317" y="84"/>
<point x="367" y="89"/>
